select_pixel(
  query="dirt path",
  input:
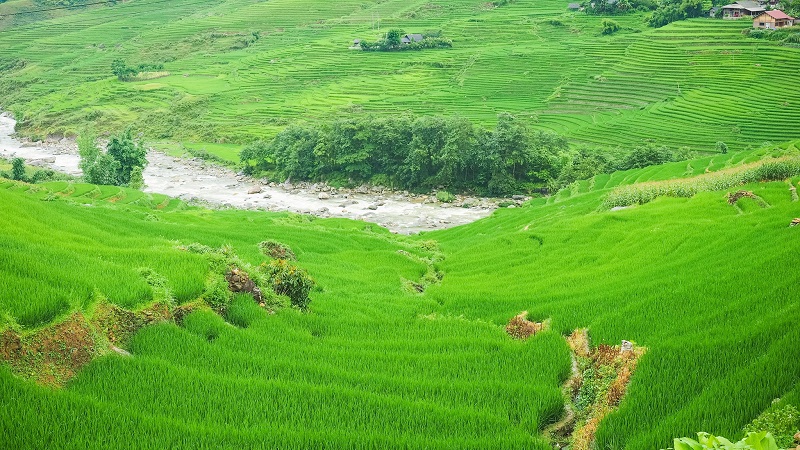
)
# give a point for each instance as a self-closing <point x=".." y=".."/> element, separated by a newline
<point x="196" y="180"/>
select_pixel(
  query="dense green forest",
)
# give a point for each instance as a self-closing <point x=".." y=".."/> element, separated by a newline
<point x="439" y="152"/>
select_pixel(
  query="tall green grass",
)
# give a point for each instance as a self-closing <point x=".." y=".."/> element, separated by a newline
<point x="708" y="289"/>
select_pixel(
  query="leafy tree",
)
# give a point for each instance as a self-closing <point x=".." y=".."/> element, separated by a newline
<point x="87" y="150"/>
<point x="18" y="169"/>
<point x="674" y="10"/>
<point x="121" y="164"/>
<point x="350" y="147"/>
<point x="393" y="37"/>
<point x="646" y="155"/>
<point x="452" y="160"/>
<point x="128" y="153"/>
<point x="257" y="152"/>
<point x="791" y="7"/>
<point x="543" y="161"/>
<point x="609" y="26"/>
<point x="722" y="147"/>
<point x="102" y="171"/>
<point x="137" y="178"/>
<point x="391" y="140"/>
<point x="511" y="144"/>
<point x="121" y="70"/>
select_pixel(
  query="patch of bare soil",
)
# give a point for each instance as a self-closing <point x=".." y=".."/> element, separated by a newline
<point x="54" y="354"/>
<point x="734" y="197"/>
<point x="240" y="282"/>
<point x="519" y="327"/>
<point x="118" y="325"/>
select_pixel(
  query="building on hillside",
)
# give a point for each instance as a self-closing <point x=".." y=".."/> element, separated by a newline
<point x="409" y="38"/>
<point x="574" y="6"/>
<point x="773" y="19"/>
<point x="741" y="9"/>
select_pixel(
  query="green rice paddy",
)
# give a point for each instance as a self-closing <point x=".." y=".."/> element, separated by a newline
<point x="691" y="83"/>
<point x="707" y="287"/>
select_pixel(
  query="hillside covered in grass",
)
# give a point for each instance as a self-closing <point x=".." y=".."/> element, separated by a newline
<point x="705" y="285"/>
<point x="237" y="70"/>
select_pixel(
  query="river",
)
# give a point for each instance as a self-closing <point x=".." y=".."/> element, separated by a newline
<point x="198" y="181"/>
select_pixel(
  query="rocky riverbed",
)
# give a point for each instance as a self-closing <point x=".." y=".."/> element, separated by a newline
<point x="198" y="181"/>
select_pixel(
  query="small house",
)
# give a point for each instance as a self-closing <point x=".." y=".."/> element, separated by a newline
<point x="773" y="19"/>
<point x="409" y="38"/>
<point x="574" y="6"/>
<point x="742" y="9"/>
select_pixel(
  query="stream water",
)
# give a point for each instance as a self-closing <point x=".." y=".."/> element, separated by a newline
<point x="196" y="180"/>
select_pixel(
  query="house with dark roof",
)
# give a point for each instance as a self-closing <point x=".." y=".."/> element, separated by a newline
<point x="741" y="9"/>
<point x="773" y="19"/>
<point x="574" y="6"/>
<point x="409" y="38"/>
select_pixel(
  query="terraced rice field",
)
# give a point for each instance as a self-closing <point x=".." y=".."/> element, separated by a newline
<point x="692" y="83"/>
<point x="707" y="287"/>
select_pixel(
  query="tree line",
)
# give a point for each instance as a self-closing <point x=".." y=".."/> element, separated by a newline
<point x="430" y="152"/>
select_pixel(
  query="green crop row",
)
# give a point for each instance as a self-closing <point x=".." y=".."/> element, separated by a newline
<point x="709" y="291"/>
<point x="691" y="83"/>
<point x="639" y="194"/>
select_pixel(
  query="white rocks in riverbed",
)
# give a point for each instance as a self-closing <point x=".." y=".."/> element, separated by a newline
<point x="323" y="196"/>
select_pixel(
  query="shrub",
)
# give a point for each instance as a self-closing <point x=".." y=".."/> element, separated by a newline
<point x="289" y="280"/>
<point x="644" y="156"/>
<point x="276" y="250"/>
<point x="609" y="26"/>
<point x="121" y="70"/>
<point x="137" y="178"/>
<point x="44" y="175"/>
<point x="121" y="164"/>
<point x="18" y="169"/>
<point x="445" y="197"/>
<point x="128" y="153"/>
<point x="216" y="293"/>
<point x="722" y="147"/>
<point x="705" y="441"/>
<point x="782" y="423"/>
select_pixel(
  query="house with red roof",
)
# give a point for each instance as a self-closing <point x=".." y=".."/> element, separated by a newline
<point x="773" y="19"/>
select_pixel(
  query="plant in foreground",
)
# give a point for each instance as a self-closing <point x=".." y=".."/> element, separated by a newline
<point x="289" y="280"/>
<point x="753" y="441"/>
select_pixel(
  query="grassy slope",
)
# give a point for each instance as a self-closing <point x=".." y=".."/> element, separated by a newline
<point x="689" y="84"/>
<point x="708" y="289"/>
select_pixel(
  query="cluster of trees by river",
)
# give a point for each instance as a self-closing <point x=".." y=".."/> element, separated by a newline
<point x="430" y="152"/>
